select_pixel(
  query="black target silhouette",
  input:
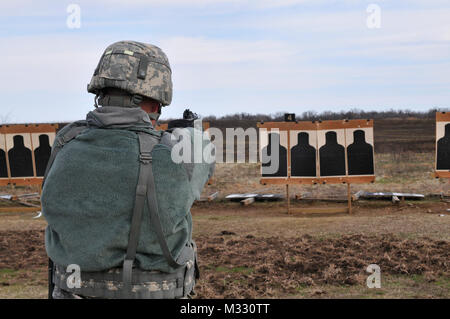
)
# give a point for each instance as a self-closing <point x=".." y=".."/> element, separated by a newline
<point x="42" y="154"/>
<point x="303" y="157"/>
<point x="3" y="167"/>
<point x="443" y="150"/>
<point x="20" y="160"/>
<point x="266" y="161"/>
<point x="332" y="156"/>
<point x="360" y="155"/>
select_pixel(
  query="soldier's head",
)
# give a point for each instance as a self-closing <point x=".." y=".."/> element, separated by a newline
<point x="133" y="74"/>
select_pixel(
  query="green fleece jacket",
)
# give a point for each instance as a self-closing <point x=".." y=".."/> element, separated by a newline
<point x="89" y="193"/>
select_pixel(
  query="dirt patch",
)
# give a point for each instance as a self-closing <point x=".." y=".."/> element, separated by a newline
<point x="22" y="250"/>
<point x="234" y="266"/>
<point x="249" y="267"/>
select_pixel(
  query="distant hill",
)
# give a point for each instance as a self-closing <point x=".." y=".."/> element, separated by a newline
<point x="394" y="131"/>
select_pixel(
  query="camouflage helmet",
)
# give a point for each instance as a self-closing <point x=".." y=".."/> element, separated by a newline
<point x="136" y="68"/>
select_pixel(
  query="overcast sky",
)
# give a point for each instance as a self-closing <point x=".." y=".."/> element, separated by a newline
<point x="231" y="56"/>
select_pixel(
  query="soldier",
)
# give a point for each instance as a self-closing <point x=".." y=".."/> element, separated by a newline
<point x="116" y="203"/>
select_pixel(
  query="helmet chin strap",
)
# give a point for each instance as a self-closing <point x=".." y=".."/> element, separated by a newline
<point x="119" y="100"/>
<point x="124" y="100"/>
<point x="96" y="100"/>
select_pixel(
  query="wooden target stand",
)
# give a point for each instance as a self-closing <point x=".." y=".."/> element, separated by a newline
<point x="446" y="187"/>
<point x="36" y="180"/>
<point x="444" y="174"/>
<point x="290" y="180"/>
<point x="165" y="126"/>
<point x="24" y="181"/>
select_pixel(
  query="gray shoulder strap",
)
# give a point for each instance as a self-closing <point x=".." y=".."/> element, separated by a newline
<point x="62" y="140"/>
<point x="152" y="203"/>
<point x="145" y="189"/>
<point x="146" y="144"/>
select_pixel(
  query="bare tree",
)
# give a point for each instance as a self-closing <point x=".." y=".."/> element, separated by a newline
<point x="5" y="118"/>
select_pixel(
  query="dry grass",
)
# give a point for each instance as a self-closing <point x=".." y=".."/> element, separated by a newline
<point x="396" y="172"/>
<point x="265" y="220"/>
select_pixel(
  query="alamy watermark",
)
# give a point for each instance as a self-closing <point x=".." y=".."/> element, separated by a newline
<point x="374" y="280"/>
<point x="374" y="19"/>
<point x="74" y="279"/>
<point x="74" y="18"/>
<point x="240" y="146"/>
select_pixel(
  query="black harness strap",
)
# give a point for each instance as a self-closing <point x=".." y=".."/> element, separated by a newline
<point x="146" y="144"/>
<point x="145" y="189"/>
<point x="152" y="203"/>
<point x="51" y="283"/>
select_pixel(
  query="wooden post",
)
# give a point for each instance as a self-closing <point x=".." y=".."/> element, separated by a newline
<point x="447" y="188"/>
<point x="40" y="196"/>
<point x="349" y="194"/>
<point x="8" y="167"/>
<point x="33" y="159"/>
<point x="288" y="199"/>
<point x="288" y="133"/>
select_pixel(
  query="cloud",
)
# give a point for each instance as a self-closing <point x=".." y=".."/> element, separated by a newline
<point x="48" y="62"/>
<point x="201" y="50"/>
<point x="245" y="56"/>
<point x="203" y="3"/>
<point x="20" y="8"/>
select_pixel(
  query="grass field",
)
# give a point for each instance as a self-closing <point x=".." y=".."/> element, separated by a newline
<point x="396" y="172"/>
<point x="259" y="251"/>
